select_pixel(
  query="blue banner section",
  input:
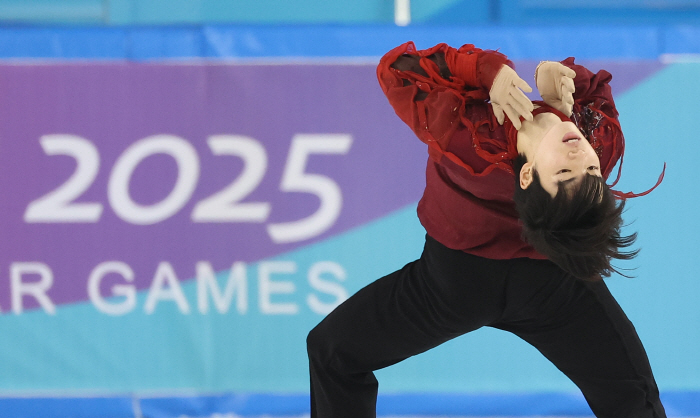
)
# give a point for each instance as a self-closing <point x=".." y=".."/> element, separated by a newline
<point x="340" y="41"/>
<point x="677" y="404"/>
<point x="247" y="405"/>
<point x="84" y="407"/>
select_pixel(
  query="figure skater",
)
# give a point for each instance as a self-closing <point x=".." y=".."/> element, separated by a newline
<point x="521" y="230"/>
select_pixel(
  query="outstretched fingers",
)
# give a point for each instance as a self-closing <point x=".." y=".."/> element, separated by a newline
<point x="522" y="105"/>
<point x="567" y="72"/>
<point x="498" y="113"/>
<point x="508" y="97"/>
<point x="513" y="115"/>
<point x="522" y="85"/>
<point x="567" y="85"/>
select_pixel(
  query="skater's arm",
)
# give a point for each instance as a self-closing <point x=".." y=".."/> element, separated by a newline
<point x="430" y="89"/>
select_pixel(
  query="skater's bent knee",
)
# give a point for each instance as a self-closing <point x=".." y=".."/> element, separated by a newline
<point x="315" y="341"/>
<point x="322" y="344"/>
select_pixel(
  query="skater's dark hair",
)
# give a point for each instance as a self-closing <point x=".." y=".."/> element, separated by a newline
<point x="578" y="229"/>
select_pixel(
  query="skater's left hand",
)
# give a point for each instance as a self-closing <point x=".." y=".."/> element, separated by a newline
<point x="555" y="81"/>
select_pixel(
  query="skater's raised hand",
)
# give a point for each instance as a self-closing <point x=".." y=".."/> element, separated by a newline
<point x="508" y="99"/>
<point x="555" y="81"/>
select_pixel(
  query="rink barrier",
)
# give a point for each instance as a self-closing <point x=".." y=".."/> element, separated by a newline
<point x="677" y="404"/>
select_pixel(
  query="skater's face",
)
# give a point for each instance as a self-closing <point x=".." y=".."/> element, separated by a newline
<point x="560" y="154"/>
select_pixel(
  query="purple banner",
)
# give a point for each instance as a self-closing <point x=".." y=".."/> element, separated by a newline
<point x="141" y="164"/>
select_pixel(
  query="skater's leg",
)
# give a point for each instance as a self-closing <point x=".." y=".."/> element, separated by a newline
<point x="444" y="294"/>
<point x="582" y="330"/>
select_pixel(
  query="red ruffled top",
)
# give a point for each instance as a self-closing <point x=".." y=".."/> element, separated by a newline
<point x="442" y="94"/>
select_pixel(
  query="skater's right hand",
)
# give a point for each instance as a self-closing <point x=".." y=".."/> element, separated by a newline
<point x="507" y="97"/>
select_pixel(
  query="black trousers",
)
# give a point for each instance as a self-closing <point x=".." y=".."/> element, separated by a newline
<point x="577" y="325"/>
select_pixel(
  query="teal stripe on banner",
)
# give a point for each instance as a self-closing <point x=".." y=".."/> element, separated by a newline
<point x="678" y="404"/>
<point x="93" y="407"/>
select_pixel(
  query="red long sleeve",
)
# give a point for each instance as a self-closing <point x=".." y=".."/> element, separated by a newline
<point x="442" y="94"/>
<point x="430" y="88"/>
<point x="591" y="86"/>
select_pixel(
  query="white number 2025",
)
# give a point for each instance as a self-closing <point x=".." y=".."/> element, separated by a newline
<point x="59" y="206"/>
